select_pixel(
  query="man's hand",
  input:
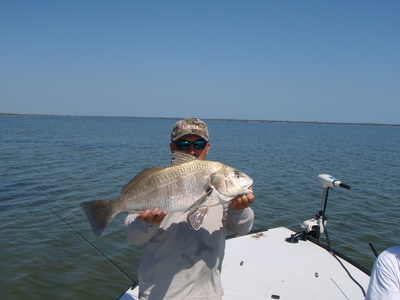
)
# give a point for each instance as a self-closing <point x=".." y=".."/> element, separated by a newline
<point x="242" y="201"/>
<point x="153" y="216"/>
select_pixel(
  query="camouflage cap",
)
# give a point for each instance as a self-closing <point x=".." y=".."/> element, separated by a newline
<point x="190" y="126"/>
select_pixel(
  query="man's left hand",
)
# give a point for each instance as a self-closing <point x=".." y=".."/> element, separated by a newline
<point x="242" y="201"/>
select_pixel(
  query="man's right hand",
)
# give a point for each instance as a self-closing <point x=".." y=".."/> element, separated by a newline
<point x="153" y="216"/>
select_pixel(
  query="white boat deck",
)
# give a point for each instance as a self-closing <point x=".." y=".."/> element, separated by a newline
<point x="264" y="266"/>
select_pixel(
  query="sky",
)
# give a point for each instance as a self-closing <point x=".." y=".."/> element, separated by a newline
<point x="324" y="61"/>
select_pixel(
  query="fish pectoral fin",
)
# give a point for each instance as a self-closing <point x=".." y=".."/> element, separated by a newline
<point x="196" y="217"/>
<point x="197" y="214"/>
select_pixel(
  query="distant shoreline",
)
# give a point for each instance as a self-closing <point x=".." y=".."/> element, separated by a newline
<point x="206" y="119"/>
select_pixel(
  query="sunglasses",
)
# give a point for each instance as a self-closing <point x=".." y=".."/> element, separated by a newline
<point x="185" y="145"/>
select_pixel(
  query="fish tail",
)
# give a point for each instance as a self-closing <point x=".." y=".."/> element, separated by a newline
<point x="99" y="214"/>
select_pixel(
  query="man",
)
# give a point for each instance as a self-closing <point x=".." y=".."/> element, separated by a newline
<point x="178" y="262"/>
<point x="385" y="277"/>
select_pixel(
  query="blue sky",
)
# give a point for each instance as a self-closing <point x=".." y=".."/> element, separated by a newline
<point x="328" y="61"/>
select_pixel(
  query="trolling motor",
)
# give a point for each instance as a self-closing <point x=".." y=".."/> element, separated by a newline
<point x="315" y="226"/>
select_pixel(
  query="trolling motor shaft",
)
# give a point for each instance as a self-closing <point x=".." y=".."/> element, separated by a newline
<point x="327" y="182"/>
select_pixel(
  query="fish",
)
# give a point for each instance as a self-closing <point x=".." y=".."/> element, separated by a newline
<point x="188" y="185"/>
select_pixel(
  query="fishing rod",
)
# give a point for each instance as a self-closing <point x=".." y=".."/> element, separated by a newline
<point x="373" y="249"/>
<point x="135" y="282"/>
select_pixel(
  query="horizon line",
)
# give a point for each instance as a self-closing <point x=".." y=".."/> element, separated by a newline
<point x="207" y="119"/>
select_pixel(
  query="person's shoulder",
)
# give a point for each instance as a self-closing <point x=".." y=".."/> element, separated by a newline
<point x="390" y="254"/>
<point x="395" y="250"/>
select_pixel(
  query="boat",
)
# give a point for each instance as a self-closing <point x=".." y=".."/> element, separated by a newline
<point x="279" y="263"/>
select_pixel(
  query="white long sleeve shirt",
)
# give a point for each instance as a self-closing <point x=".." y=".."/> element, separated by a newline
<point x="181" y="263"/>
<point x="385" y="277"/>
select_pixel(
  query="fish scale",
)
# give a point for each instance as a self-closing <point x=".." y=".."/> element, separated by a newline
<point x="176" y="187"/>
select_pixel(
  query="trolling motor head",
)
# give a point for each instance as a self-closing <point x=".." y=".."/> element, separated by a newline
<point x="330" y="181"/>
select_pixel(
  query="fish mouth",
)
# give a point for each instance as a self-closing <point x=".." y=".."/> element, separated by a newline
<point x="248" y="188"/>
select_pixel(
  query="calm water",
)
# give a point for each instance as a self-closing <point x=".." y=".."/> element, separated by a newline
<point x="54" y="163"/>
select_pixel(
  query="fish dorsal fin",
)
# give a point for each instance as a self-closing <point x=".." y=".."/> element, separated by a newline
<point x="179" y="158"/>
<point x="139" y="177"/>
